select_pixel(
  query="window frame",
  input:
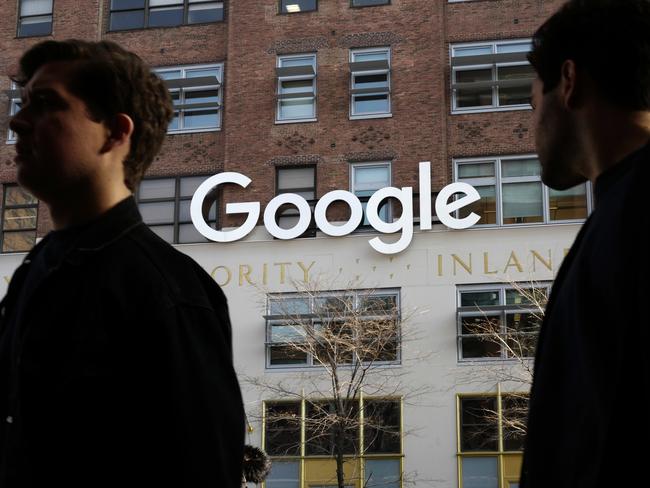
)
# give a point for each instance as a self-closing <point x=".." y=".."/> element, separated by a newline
<point x="21" y="17"/>
<point x="14" y="107"/>
<point x="313" y="97"/>
<point x="311" y="231"/>
<point x="146" y="12"/>
<point x="495" y="107"/>
<point x="302" y="458"/>
<point x="176" y="199"/>
<point x="353" y="115"/>
<point x="280" y="12"/>
<point x="4" y="208"/>
<point x="500" y="454"/>
<point x="502" y="310"/>
<point x="364" y="200"/>
<point x="498" y="182"/>
<point x="311" y="320"/>
<point x="183" y="90"/>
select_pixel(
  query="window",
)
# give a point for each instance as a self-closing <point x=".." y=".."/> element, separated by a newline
<point x="512" y="193"/>
<point x="19" y="218"/>
<point x="138" y="14"/>
<point x="14" y="106"/>
<point x="296" y="88"/>
<point x="491" y="76"/>
<point x="499" y="321"/>
<point x="369" y="3"/>
<point x="295" y="6"/>
<point x="377" y="455"/>
<point x="302" y="181"/>
<point x="491" y="439"/>
<point x="370" y="83"/>
<point x="196" y="93"/>
<point x="35" y="18"/>
<point x="367" y="178"/>
<point x="165" y="207"/>
<point x="353" y="326"/>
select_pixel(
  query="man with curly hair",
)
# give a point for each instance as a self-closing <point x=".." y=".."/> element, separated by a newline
<point x="115" y="349"/>
<point x="591" y="103"/>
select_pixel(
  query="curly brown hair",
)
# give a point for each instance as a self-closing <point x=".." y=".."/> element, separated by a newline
<point x="111" y="80"/>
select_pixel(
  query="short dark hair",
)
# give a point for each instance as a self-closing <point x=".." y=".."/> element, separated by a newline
<point x="111" y="80"/>
<point x="608" y="39"/>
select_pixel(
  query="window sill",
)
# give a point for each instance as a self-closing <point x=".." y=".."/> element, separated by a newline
<point x="480" y="110"/>
<point x="295" y="121"/>
<point x="370" y="116"/>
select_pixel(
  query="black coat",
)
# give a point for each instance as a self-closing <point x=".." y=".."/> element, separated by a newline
<point x="124" y="374"/>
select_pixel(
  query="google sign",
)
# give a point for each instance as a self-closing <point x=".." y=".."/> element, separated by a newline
<point x="445" y="206"/>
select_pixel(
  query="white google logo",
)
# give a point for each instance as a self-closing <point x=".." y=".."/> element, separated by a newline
<point x="465" y="195"/>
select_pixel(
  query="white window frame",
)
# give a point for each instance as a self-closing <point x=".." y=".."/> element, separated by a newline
<point x="218" y="105"/>
<point x="495" y="107"/>
<point x="501" y="289"/>
<point x="353" y="168"/>
<point x="43" y="14"/>
<point x="14" y="107"/>
<point x="356" y="294"/>
<point x="280" y="79"/>
<point x="371" y="115"/>
<point x="497" y="181"/>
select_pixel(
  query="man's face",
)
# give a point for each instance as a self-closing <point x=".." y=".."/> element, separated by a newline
<point x="58" y="145"/>
<point x="556" y="139"/>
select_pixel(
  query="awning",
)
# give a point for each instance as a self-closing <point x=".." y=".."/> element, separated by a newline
<point x="360" y="67"/>
<point x="306" y="70"/>
<point x="192" y="82"/>
<point x="489" y="59"/>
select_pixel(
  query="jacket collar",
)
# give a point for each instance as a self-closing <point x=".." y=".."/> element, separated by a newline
<point x="100" y="232"/>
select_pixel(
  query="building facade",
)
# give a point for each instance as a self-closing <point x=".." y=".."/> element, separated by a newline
<point x="312" y="96"/>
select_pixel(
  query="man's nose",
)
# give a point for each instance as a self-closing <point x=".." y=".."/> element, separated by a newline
<point x="19" y="123"/>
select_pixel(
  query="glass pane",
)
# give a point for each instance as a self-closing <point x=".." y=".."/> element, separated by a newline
<point x="163" y="188"/>
<point x="523" y="322"/>
<point x="175" y="122"/>
<point x="480" y="472"/>
<point x="189" y="184"/>
<point x="568" y="204"/>
<point x="279" y="355"/>
<point x="165" y="17"/>
<point x="378" y="305"/>
<point x="478" y="298"/>
<point x="370" y="56"/>
<point x="35" y="7"/>
<point x="127" y="20"/>
<point x="284" y="474"/>
<point x="520" y="167"/>
<point x="126" y="4"/>
<point x="202" y="96"/>
<point x="366" y="104"/>
<point x="363" y="3"/>
<point x="515" y="95"/>
<point x="18" y="241"/>
<point x="283" y="332"/>
<point x="479" y="424"/>
<point x="298" y="61"/>
<point x="297" y="86"/>
<point x="201" y="72"/>
<point x="292" y="6"/>
<point x="289" y="178"/>
<point x="209" y="12"/>
<point x="184" y="212"/>
<point x="522" y="203"/>
<point x="15" y="195"/>
<point x="486" y="207"/>
<point x="473" y="97"/>
<point x="371" y="81"/>
<point x="382" y="473"/>
<point x="368" y="179"/>
<point x="478" y="347"/>
<point x="201" y="119"/>
<point x="165" y="232"/>
<point x="282" y="429"/>
<point x="35" y="26"/>
<point x="515" y="47"/>
<point x="20" y="218"/>
<point x="476" y="170"/>
<point x="160" y="3"/>
<point x="381" y="429"/>
<point x="472" y="51"/>
<point x="289" y="306"/>
<point x="188" y="233"/>
<point x="157" y="213"/>
<point x="515" y="413"/>
<point x="171" y="75"/>
<point x="523" y="71"/>
<point x="296" y="109"/>
<point x="516" y="297"/>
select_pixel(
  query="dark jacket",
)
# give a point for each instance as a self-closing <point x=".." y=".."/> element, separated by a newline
<point x="587" y="424"/>
<point x="123" y="375"/>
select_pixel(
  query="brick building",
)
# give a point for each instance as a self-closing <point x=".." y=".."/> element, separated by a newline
<point x="311" y="96"/>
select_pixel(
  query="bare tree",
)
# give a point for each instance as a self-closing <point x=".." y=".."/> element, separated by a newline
<point x="351" y="335"/>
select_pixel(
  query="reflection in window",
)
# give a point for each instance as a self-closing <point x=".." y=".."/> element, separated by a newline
<point x="19" y="219"/>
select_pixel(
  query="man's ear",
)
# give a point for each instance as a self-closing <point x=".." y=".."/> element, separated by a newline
<point x="119" y="132"/>
<point x="570" y="85"/>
